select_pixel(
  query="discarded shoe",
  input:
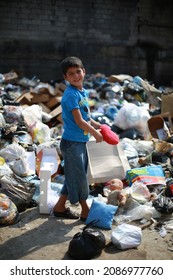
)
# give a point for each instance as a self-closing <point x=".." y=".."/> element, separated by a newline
<point x="68" y="214"/>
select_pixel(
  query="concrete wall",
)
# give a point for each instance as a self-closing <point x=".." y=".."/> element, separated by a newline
<point x="112" y="37"/>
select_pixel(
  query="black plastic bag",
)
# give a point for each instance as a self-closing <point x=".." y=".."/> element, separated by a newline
<point x="169" y="188"/>
<point x="87" y="244"/>
<point x="18" y="190"/>
<point x="163" y="204"/>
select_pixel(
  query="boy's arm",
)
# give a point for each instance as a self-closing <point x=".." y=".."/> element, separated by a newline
<point x="96" y="125"/>
<point x="86" y="126"/>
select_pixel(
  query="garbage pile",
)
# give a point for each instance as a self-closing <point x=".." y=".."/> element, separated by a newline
<point x="31" y="128"/>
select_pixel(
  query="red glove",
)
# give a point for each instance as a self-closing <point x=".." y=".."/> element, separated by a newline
<point x="108" y="135"/>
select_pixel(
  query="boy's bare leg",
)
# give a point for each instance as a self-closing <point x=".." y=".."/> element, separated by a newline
<point x="60" y="205"/>
<point x="85" y="208"/>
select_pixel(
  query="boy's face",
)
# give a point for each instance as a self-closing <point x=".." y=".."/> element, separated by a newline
<point x="75" y="76"/>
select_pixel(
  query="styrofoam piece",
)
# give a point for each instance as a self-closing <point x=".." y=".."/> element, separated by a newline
<point x="47" y="156"/>
<point x="45" y="181"/>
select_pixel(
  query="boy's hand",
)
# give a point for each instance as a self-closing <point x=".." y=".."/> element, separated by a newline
<point x="98" y="136"/>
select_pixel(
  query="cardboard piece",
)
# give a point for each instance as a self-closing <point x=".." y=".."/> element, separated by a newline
<point x="59" y="118"/>
<point x="120" y="78"/>
<point x="106" y="162"/>
<point x="10" y="76"/>
<point x="166" y="105"/>
<point x="57" y="111"/>
<point x="40" y="97"/>
<point x="158" y="128"/>
<point x="25" y="98"/>
<point x="53" y="101"/>
<point x="44" y="107"/>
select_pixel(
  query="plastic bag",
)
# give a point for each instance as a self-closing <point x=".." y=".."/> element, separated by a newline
<point x="4" y="168"/>
<point x="132" y="116"/>
<point x="163" y="204"/>
<point x="131" y="153"/>
<point x="140" y="192"/>
<point x="143" y="147"/>
<point x="86" y="244"/>
<point x="13" y="114"/>
<point x="126" y="236"/>
<point x="137" y="213"/>
<point x="2" y="120"/>
<point x="15" y="156"/>
<point x="32" y="114"/>
<point x="18" y="190"/>
<point x="39" y="131"/>
<point x="8" y="211"/>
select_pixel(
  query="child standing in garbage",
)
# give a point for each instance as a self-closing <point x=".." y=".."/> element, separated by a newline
<point x="77" y="125"/>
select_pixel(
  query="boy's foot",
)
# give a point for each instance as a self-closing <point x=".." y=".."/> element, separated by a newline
<point x="68" y="214"/>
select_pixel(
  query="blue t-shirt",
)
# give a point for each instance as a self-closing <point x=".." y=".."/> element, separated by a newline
<point x="74" y="98"/>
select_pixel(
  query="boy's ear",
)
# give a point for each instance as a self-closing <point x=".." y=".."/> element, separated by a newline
<point x="64" y="77"/>
<point x="84" y="71"/>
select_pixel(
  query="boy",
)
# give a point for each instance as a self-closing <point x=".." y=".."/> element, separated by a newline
<point x="78" y="126"/>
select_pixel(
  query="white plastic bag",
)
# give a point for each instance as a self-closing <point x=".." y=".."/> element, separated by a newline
<point x="39" y="131"/>
<point x="32" y="114"/>
<point x="126" y="236"/>
<point x="13" y="114"/>
<point x="4" y="168"/>
<point x="138" y="213"/>
<point x="140" y="192"/>
<point x="132" y="116"/>
<point x="2" y="120"/>
<point x="16" y="158"/>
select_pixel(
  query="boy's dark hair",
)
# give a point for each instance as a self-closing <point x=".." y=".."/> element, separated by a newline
<point x="71" y="61"/>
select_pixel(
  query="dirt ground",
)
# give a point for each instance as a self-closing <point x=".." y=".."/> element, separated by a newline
<point x="44" y="237"/>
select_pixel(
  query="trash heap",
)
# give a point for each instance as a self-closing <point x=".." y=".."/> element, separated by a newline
<point x="30" y="132"/>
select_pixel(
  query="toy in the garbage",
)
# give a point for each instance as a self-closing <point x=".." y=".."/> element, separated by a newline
<point x="117" y="198"/>
<point x="108" y="135"/>
<point x="114" y="184"/>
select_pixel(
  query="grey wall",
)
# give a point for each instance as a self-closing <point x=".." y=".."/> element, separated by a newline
<point x="132" y="37"/>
